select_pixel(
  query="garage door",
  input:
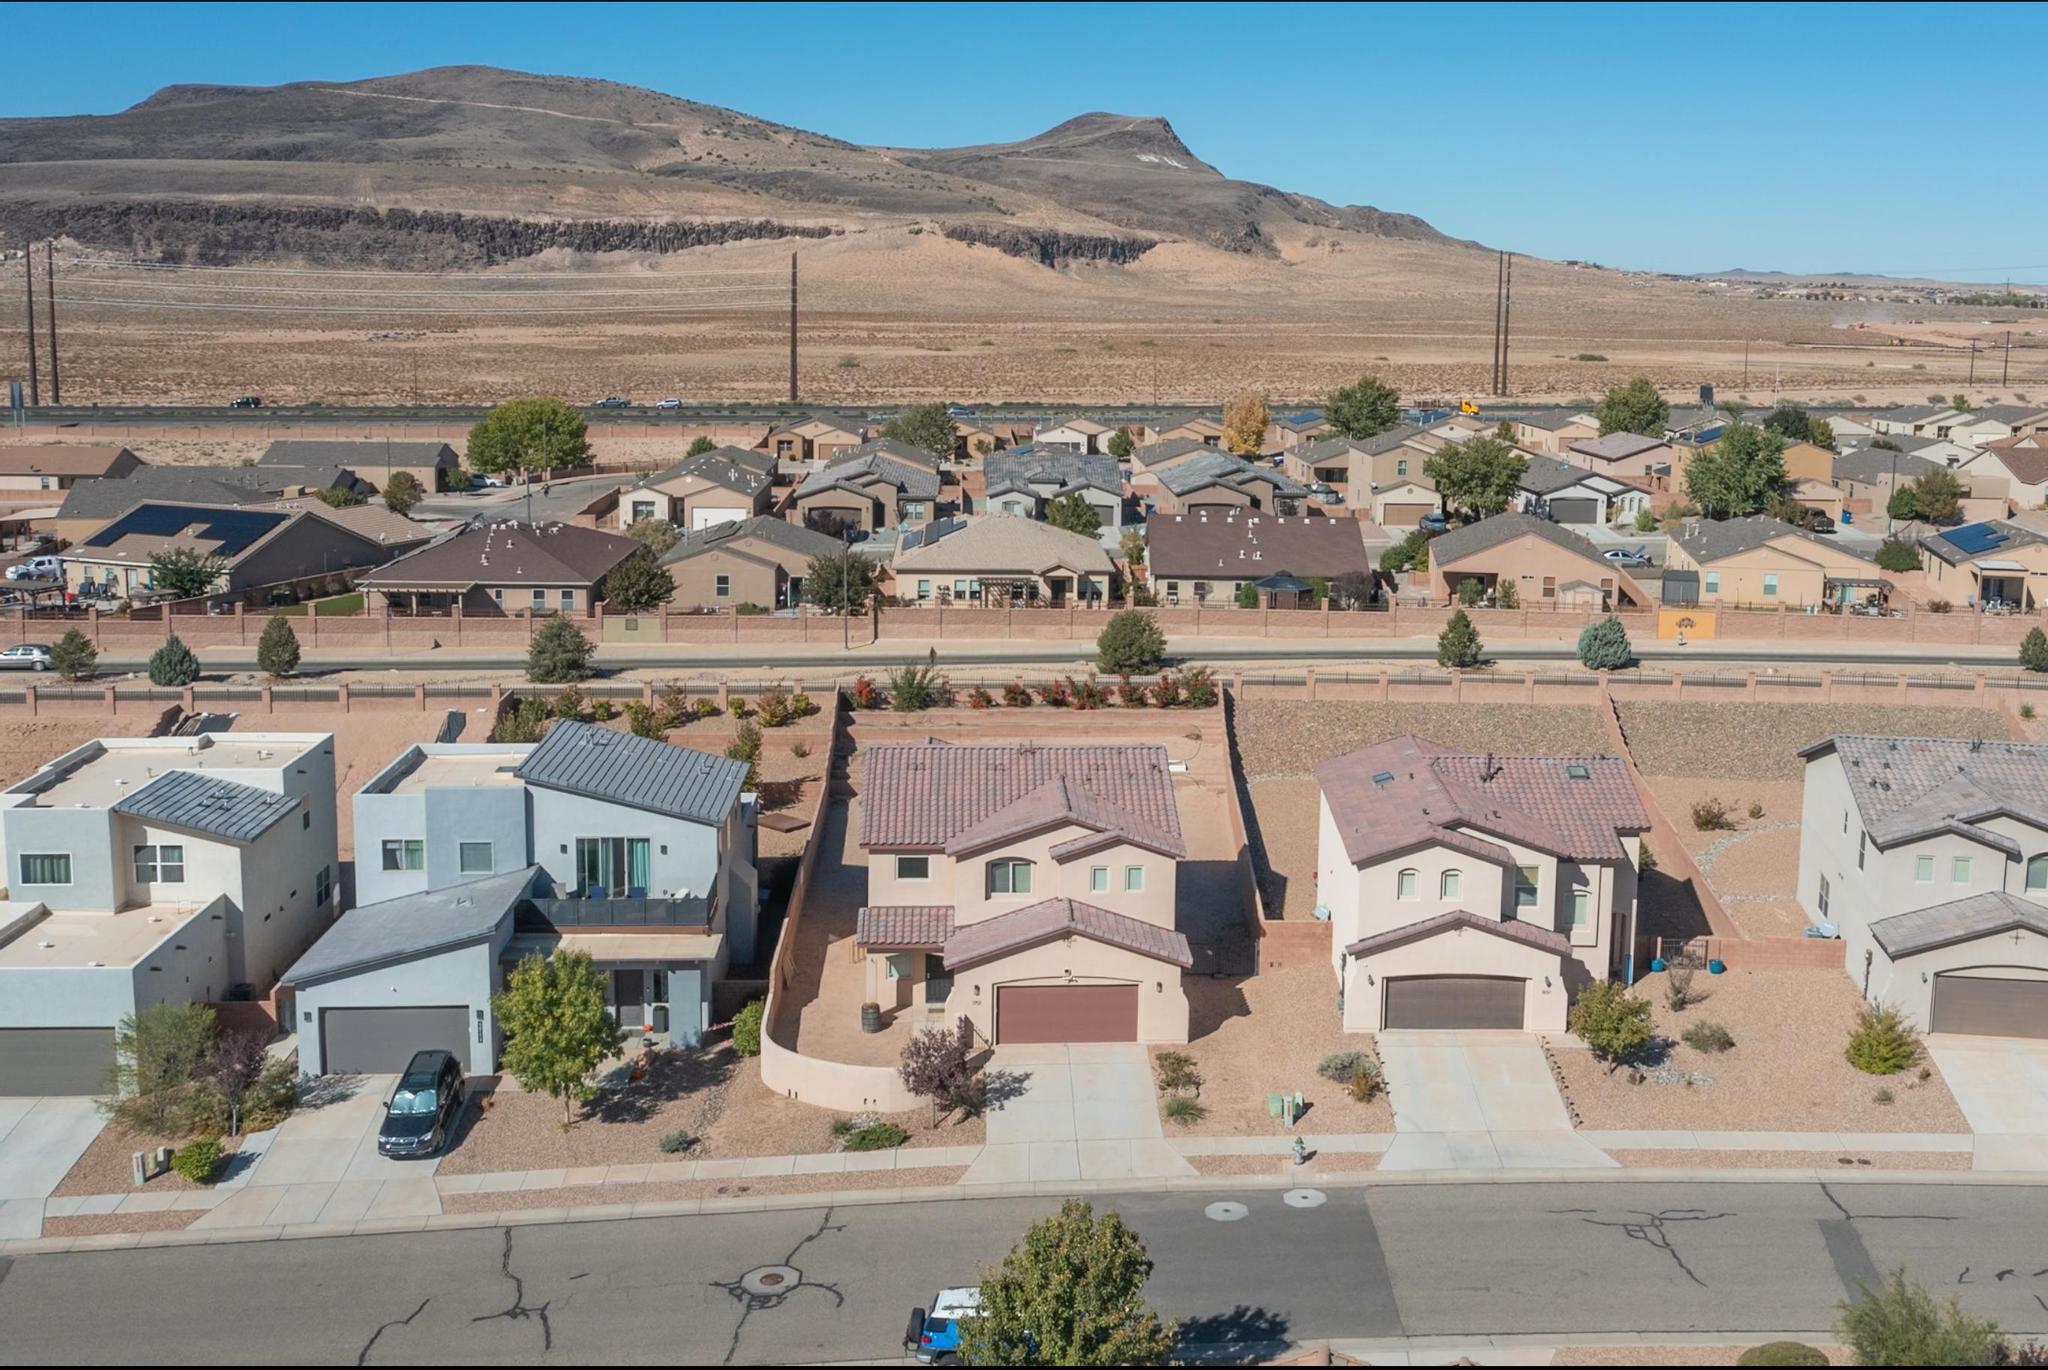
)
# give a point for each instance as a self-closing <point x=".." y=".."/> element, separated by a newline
<point x="1403" y="515"/>
<point x="55" y="1060"/>
<point x="1067" y="1013"/>
<point x="1575" y="510"/>
<point x="1978" y="1006"/>
<point x="711" y="518"/>
<point x="381" y="1041"/>
<point x="1455" y="1001"/>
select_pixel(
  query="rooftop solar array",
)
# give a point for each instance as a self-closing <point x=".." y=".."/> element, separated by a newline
<point x="1975" y="539"/>
<point x="233" y="529"/>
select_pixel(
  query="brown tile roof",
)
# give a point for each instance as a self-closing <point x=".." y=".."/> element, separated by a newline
<point x="53" y="459"/>
<point x="1058" y="803"/>
<point x="1194" y="546"/>
<point x="1054" y="918"/>
<point x="2025" y="456"/>
<point x="904" y="925"/>
<point x="1543" y="939"/>
<point x="924" y="794"/>
<point x="1429" y="794"/>
<point x="508" y="554"/>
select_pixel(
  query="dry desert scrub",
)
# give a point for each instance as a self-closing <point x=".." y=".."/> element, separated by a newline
<point x="1747" y="743"/>
<point x="1288" y="737"/>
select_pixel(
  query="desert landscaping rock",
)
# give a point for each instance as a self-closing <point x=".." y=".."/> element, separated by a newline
<point x="1715" y="1159"/>
<point x="1758" y="742"/>
<point x="1288" y="737"/>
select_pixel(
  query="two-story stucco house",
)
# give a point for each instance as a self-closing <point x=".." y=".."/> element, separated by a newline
<point x="1030" y="889"/>
<point x="1929" y="858"/>
<point x="1475" y="891"/>
<point x="147" y="869"/>
<point x="635" y="851"/>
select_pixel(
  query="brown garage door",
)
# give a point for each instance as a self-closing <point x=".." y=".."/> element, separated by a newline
<point x="1405" y="515"/>
<point x="1455" y="1001"/>
<point x="1982" y="1007"/>
<point x="1067" y="1013"/>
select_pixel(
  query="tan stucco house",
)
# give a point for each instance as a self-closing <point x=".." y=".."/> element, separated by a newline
<point x="1995" y="562"/>
<point x="39" y="473"/>
<point x="1030" y="889"/>
<point x="502" y="568"/>
<point x="255" y="549"/>
<point x="1198" y="559"/>
<point x="761" y="561"/>
<point x="1474" y="892"/>
<point x="1540" y="557"/>
<point x="1000" y="560"/>
<point x="877" y="490"/>
<point x="1076" y="432"/>
<point x="1762" y="562"/>
<point x="724" y="485"/>
<point x="812" y="439"/>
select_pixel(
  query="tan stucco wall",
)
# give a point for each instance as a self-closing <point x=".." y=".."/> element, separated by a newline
<point x="696" y="581"/>
<point x="964" y="883"/>
<point x="1529" y="560"/>
<point x="1899" y="984"/>
<point x="1802" y="570"/>
<point x="1162" y="1003"/>
<point x="1460" y="951"/>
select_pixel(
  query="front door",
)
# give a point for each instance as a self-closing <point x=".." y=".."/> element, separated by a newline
<point x="629" y="998"/>
<point x="1057" y="585"/>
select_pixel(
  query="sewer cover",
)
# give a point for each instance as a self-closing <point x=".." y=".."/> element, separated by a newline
<point x="1304" y="1198"/>
<point x="771" y="1279"/>
<point x="1226" y="1211"/>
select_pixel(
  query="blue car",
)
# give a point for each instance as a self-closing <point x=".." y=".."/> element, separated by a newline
<point x="935" y="1336"/>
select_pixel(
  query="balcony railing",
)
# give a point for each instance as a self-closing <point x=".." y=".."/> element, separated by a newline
<point x="538" y="915"/>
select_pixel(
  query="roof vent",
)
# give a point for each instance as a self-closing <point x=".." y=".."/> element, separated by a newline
<point x="1383" y="779"/>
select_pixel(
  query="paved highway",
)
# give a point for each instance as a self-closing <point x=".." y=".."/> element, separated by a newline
<point x="1544" y="1260"/>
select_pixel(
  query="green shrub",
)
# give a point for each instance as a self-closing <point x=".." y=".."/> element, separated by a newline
<point x="773" y="709"/>
<point x="524" y="723"/>
<point x="2034" y="650"/>
<point x="1343" y="1066"/>
<point x="1901" y="1323"/>
<point x="197" y="1161"/>
<point x="674" y="1143"/>
<point x="1186" y="1109"/>
<point x="1131" y="644"/>
<point x="602" y="710"/>
<point x="74" y="657"/>
<point x="277" y="651"/>
<point x="875" y="1137"/>
<point x="1898" y="556"/>
<point x="1198" y="686"/>
<point x="1604" y="646"/>
<point x="1710" y="1038"/>
<point x="559" y="654"/>
<point x="1177" y="1073"/>
<point x="746" y="1028"/>
<point x="569" y="703"/>
<point x="173" y="665"/>
<point x="645" y="721"/>
<point x="1458" y="646"/>
<point x="1782" y="1353"/>
<point x="1610" y="1020"/>
<point x="1882" y="1042"/>
<point x="1711" y="815"/>
<point x="799" y="749"/>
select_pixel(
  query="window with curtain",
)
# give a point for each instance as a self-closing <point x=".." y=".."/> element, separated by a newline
<point x="159" y="863"/>
<point x="613" y="867"/>
<point x="405" y="854"/>
<point x="45" y="869"/>
<point x="1009" y="877"/>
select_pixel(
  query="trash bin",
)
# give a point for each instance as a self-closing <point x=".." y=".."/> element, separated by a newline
<point x="661" y="1017"/>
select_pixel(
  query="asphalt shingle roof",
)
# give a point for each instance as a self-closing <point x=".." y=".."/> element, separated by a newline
<point x="639" y="772"/>
<point x="1960" y="920"/>
<point x="370" y="455"/>
<point x="1209" y="546"/>
<point x="926" y="794"/>
<point x="1054" y="918"/>
<point x="206" y="803"/>
<point x="1222" y="468"/>
<point x="1945" y="544"/>
<point x="508" y="554"/>
<point x="1489" y="533"/>
<point x="1001" y="542"/>
<point x="413" y="925"/>
<point x="1617" y="446"/>
<point x="790" y="537"/>
<point x="720" y="469"/>
<point x="1911" y="787"/>
<point x="1064" y="471"/>
<point x="110" y="497"/>
<point x="861" y="473"/>
<point x="1711" y="540"/>
<point x="1870" y="465"/>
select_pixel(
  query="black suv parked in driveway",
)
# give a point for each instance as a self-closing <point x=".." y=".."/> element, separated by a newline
<point x="420" y="1115"/>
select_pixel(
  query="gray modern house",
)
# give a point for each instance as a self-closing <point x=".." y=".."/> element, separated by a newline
<point x="473" y="856"/>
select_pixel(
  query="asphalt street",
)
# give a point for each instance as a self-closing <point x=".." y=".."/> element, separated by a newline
<point x="1726" y="1260"/>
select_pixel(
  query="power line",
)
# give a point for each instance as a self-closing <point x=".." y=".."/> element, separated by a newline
<point x="434" y="311"/>
<point x="764" y="291"/>
<point x="133" y="265"/>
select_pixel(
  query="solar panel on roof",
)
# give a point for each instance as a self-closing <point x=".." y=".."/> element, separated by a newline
<point x="1976" y="538"/>
<point x="233" y="529"/>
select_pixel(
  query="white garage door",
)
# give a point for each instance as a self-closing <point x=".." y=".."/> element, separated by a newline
<point x="711" y="518"/>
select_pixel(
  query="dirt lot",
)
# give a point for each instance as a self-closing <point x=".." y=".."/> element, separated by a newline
<point x="1289" y="737"/>
<point x="1264" y="1035"/>
<point x="712" y="1094"/>
<point x="27" y="743"/>
<point x="1753" y="868"/>
<point x="1755" y="742"/>
<point x="1785" y="1073"/>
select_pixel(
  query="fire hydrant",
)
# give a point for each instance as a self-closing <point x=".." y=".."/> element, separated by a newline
<point x="1300" y="1152"/>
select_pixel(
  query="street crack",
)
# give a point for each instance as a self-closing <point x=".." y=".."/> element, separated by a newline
<point x="1655" y="1229"/>
<point x="752" y="1303"/>
<point x="517" y="1310"/>
<point x="363" y="1356"/>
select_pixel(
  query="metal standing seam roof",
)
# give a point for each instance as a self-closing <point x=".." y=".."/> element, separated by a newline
<point x="413" y="925"/>
<point x="639" y="772"/>
<point x="1054" y="918"/>
<point x="924" y="794"/>
<point x="208" y="804"/>
<point x="1960" y="920"/>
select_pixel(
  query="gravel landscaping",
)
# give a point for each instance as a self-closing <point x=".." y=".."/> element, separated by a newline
<point x="108" y="1165"/>
<point x="1282" y="823"/>
<point x="713" y="1094"/>
<point x="1286" y="737"/>
<point x="1792" y="1160"/>
<point x="1264" y="1035"/>
<point x="100" y="1224"/>
<point x="1760" y="742"/>
<point x="1786" y="1072"/>
<point x="579" y="1196"/>
<point x="1753" y="868"/>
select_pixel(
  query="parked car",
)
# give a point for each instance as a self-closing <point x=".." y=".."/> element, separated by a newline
<point x="1817" y="521"/>
<point x="478" y="481"/>
<point x="1433" y="523"/>
<point x="1627" y="556"/>
<point x="37" y="568"/>
<point x="420" y="1115"/>
<point x="613" y="402"/>
<point x="934" y="1337"/>
<point x="670" y="402"/>
<point x="29" y="656"/>
<point x="1325" y="493"/>
<point x="248" y="402"/>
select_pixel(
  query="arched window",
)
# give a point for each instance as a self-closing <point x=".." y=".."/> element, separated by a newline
<point x="1449" y="884"/>
<point x="1405" y="884"/>
<point x="1009" y="876"/>
<point x="2037" y="875"/>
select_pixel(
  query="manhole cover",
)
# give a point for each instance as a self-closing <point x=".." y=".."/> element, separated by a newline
<point x="1304" y="1198"/>
<point x="771" y="1279"/>
<point x="1226" y="1211"/>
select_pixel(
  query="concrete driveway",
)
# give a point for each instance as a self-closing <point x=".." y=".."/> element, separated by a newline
<point x="2001" y="1085"/>
<point x="1477" y="1101"/>
<point x="1087" y="1112"/>
<point x="40" y="1140"/>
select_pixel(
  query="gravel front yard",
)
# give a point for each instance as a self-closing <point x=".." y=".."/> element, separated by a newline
<point x="1793" y="1160"/>
<point x="1786" y="1072"/>
<point x="1282" y="737"/>
<point x="1264" y="1035"/>
<point x="1747" y="743"/>
<point x="578" y="1196"/>
<point x="99" y="1224"/>
<point x="108" y="1166"/>
<point x="712" y="1094"/>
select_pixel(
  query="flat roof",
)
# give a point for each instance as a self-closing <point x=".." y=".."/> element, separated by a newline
<point x="79" y="941"/>
<point x="476" y="769"/>
<point x="100" y="774"/>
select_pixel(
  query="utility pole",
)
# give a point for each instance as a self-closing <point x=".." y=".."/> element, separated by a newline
<point x="792" y="328"/>
<point x="1500" y="269"/>
<point x="2005" y="371"/>
<point x="50" y="286"/>
<point x="1507" y="310"/>
<point x="1973" y="363"/>
<point x="28" y="271"/>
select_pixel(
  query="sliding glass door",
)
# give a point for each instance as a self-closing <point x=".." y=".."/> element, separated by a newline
<point x="612" y="867"/>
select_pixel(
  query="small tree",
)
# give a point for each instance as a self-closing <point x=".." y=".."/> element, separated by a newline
<point x="339" y="497"/>
<point x="1132" y="546"/>
<point x="1352" y="590"/>
<point x="185" y="573"/>
<point x="74" y="657"/>
<point x="656" y="535"/>
<point x="1901" y="1323"/>
<point x="1902" y="506"/>
<point x="638" y="584"/>
<point x="1244" y="424"/>
<point x="840" y="582"/>
<point x="1131" y="644"/>
<point x="699" y="445"/>
<point x="557" y="1028"/>
<point x="1898" y="556"/>
<point x="1645" y="521"/>
<point x="277" y="651"/>
<point x="1610" y="1020"/>
<point x="156" y="1051"/>
<point x="1882" y="1042"/>
<point x="1073" y="513"/>
<point x="173" y="665"/>
<point x="1604" y="646"/>
<point x="402" y="492"/>
<point x="1505" y="595"/>
<point x="938" y="1065"/>
<point x="234" y="1068"/>
<point x="1938" y="495"/>
<point x="925" y="426"/>
<point x="1479" y="476"/>
<point x="534" y="433"/>
<point x="1363" y="409"/>
<point x="2034" y="650"/>
<point x="1458" y="646"/>
<point x="1634" y="408"/>
<point x="559" y="654"/>
<point x="1071" y="1293"/>
<point x="1120" y="445"/>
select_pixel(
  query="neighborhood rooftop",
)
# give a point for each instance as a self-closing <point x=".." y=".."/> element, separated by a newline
<point x="635" y="771"/>
<point x="1907" y="787"/>
<point x="926" y="794"/>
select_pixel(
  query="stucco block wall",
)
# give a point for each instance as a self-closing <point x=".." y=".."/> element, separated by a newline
<point x="190" y="963"/>
<point x="963" y="883"/>
<point x="1162" y="1003"/>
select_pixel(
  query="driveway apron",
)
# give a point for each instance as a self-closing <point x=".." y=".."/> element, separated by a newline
<point x="1086" y="1112"/>
<point x="1477" y="1101"/>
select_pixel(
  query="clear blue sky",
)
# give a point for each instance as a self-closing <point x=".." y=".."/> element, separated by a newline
<point x="1893" y="138"/>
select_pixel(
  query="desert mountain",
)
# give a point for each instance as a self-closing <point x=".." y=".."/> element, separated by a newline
<point x="460" y="165"/>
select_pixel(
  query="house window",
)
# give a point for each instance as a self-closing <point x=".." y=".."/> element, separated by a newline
<point x="1824" y="893"/>
<point x="1959" y="871"/>
<point x="1923" y="871"/>
<point x="323" y="886"/>
<point x="568" y="599"/>
<point x="1404" y="887"/>
<point x="165" y="863"/>
<point x="1009" y="877"/>
<point x="642" y="509"/>
<point x="1550" y="587"/>
<point x="1134" y="879"/>
<point x="1525" y="887"/>
<point x="405" y="854"/>
<point x="960" y="589"/>
<point x="2037" y="873"/>
<point x="1770" y="584"/>
<point x="612" y="867"/>
<point x="924" y="589"/>
<point x="1713" y="582"/>
<point x="722" y="586"/>
<point x="39" y="869"/>
<point x="1098" y="879"/>
<point x="1449" y="883"/>
<point x="1401" y="467"/>
<point x="474" y="858"/>
<point x="913" y="868"/>
<point x="1862" y="844"/>
<point x="540" y="599"/>
<point x="1581" y="910"/>
<point x="498" y="594"/>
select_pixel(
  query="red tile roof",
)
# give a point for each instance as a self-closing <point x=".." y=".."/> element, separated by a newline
<point x="1543" y="939"/>
<point x="927" y="794"/>
<point x="904" y="925"/>
<point x="1058" y="803"/>
<point x="1054" y="918"/>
